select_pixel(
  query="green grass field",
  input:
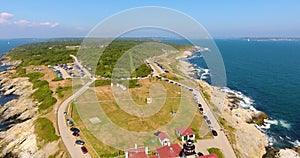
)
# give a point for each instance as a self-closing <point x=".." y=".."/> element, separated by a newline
<point x="216" y="151"/>
<point x="45" y="130"/>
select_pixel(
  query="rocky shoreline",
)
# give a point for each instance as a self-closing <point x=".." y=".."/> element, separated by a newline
<point x="18" y="115"/>
<point x="250" y="140"/>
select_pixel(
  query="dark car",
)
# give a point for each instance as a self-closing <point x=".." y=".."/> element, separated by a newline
<point x="71" y="123"/>
<point x="208" y="122"/>
<point x="201" y="109"/>
<point x="214" y="132"/>
<point x="73" y="129"/>
<point x="76" y="134"/>
<point x="205" y="117"/>
<point x="84" y="150"/>
<point x="79" y="142"/>
<point x="199" y="105"/>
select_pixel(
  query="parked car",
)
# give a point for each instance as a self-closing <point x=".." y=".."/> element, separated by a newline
<point x="199" y="105"/>
<point x="79" y="142"/>
<point x="201" y="109"/>
<point x="205" y="117"/>
<point x="214" y="132"/>
<point x="71" y="123"/>
<point x="73" y="129"/>
<point x="76" y="134"/>
<point x="208" y="122"/>
<point x="68" y="120"/>
<point x="84" y="150"/>
<point x="65" y="113"/>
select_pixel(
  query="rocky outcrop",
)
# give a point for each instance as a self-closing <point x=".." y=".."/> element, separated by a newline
<point x="284" y="153"/>
<point x="246" y="139"/>
<point x="18" y="115"/>
<point x="5" y="61"/>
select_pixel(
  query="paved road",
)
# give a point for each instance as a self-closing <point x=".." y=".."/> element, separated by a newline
<point x="67" y="138"/>
<point x="219" y="141"/>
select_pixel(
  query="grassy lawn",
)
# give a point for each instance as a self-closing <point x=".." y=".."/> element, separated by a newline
<point x="102" y="149"/>
<point x="45" y="130"/>
<point x="139" y="95"/>
<point x="161" y="118"/>
<point x="216" y="151"/>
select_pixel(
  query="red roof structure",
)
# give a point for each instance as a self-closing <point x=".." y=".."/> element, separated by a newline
<point x="137" y="153"/>
<point x="209" y="156"/>
<point x="162" y="136"/>
<point x="169" y="151"/>
<point x="185" y="131"/>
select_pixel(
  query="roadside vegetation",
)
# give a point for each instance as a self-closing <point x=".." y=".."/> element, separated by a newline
<point x="45" y="130"/>
<point x="98" y="83"/>
<point x="216" y="151"/>
<point x="43" y="93"/>
<point x="59" y="90"/>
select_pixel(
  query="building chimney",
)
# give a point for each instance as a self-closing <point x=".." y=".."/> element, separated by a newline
<point x="146" y="150"/>
<point x="168" y="144"/>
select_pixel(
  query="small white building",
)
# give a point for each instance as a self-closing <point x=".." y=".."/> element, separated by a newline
<point x="185" y="133"/>
<point x="163" y="138"/>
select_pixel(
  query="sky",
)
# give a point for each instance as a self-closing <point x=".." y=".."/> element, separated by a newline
<point x="57" y="18"/>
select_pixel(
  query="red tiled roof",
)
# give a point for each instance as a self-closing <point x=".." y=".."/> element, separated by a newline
<point x="209" y="156"/>
<point x="162" y="135"/>
<point x="136" y="150"/>
<point x="153" y="156"/>
<point x="185" y="131"/>
<point x="136" y="153"/>
<point x="169" y="151"/>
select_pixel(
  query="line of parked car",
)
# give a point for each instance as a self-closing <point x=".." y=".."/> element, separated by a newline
<point x="75" y="132"/>
<point x="208" y="122"/>
<point x="161" y="67"/>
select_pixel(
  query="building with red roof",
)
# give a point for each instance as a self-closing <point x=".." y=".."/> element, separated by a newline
<point x="209" y="156"/>
<point x="185" y="133"/>
<point x="163" y="138"/>
<point x="169" y="151"/>
<point x="137" y="152"/>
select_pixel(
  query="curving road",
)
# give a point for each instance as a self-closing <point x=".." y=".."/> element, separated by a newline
<point x="219" y="141"/>
<point x="67" y="138"/>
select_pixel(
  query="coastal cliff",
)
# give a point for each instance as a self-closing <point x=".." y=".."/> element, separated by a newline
<point x="238" y="123"/>
<point x="18" y="116"/>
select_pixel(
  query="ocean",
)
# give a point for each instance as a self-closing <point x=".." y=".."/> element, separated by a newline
<point x="266" y="72"/>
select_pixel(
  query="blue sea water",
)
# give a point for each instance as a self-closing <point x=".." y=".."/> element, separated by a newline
<point x="267" y="71"/>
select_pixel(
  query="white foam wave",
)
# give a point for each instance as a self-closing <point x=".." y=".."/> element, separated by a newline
<point x="203" y="73"/>
<point x="271" y="140"/>
<point x="296" y="143"/>
<point x="285" y="124"/>
<point x="246" y="102"/>
<point x="273" y="122"/>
